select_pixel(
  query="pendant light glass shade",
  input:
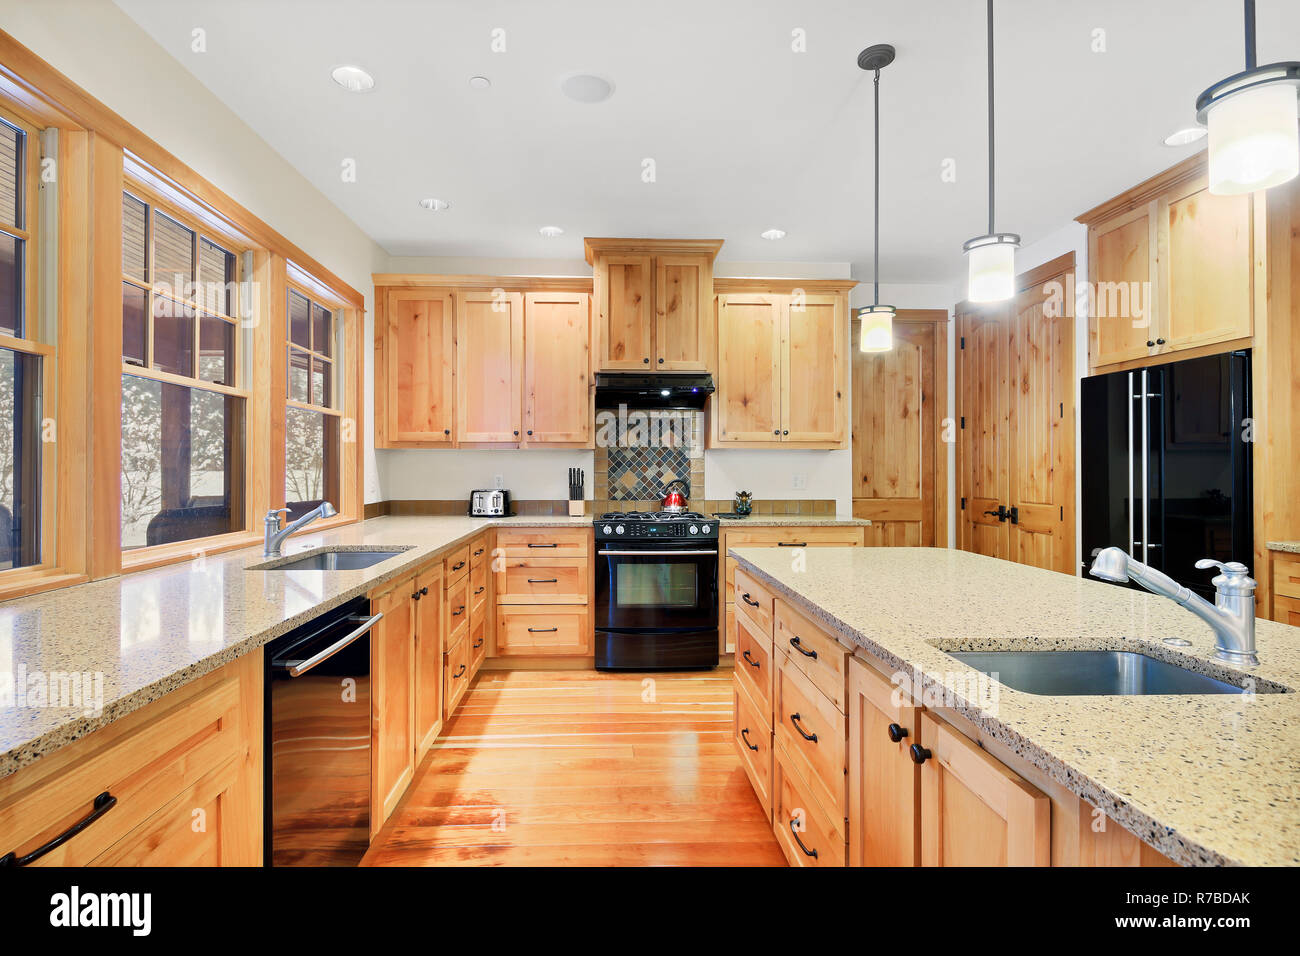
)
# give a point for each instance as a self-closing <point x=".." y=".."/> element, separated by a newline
<point x="877" y="334"/>
<point x="992" y="267"/>
<point x="1254" y="139"/>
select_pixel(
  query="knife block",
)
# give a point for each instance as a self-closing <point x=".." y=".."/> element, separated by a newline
<point x="577" y="508"/>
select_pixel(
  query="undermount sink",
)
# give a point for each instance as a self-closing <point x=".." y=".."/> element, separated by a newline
<point x="329" y="561"/>
<point x="1088" y="673"/>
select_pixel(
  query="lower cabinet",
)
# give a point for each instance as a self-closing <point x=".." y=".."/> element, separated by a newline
<point x="542" y="592"/>
<point x="884" y="780"/>
<point x="808" y="835"/>
<point x="429" y="599"/>
<point x="543" y="631"/>
<point x="392" y="675"/>
<point x="456" y="674"/>
<point x="752" y="731"/>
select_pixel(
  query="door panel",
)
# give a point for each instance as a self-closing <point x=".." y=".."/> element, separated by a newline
<point x="982" y="404"/>
<point x="557" y="368"/>
<point x="420" y="356"/>
<point x="815" y="330"/>
<point x="1207" y="267"/>
<point x="748" y="398"/>
<point x="489" y="366"/>
<point x="624" y="285"/>
<point x="1122" y="260"/>
<point x="683" y="313"/>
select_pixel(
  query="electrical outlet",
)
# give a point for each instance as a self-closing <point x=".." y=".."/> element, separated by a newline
<point x="500" y="480"/>
<point x="799" y="481"/>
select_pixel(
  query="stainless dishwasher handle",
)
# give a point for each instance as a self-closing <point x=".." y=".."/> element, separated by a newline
<point x="658" y="554"/>
<point x="298" y="668"/>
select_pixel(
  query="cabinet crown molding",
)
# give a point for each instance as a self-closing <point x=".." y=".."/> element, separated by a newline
<point x="404" y="280"/>
<point x="1145" y="191"/>
<point x="755" y="284"/>
<point x="593" y="247"/>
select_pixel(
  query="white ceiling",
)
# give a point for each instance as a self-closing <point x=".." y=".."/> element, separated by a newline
<point x="745" y="133"/>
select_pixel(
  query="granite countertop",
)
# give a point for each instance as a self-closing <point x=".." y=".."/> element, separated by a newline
<point x="1205" y="779"/>
<point x="1292" y="546"/>
<point x="810" y="521"/>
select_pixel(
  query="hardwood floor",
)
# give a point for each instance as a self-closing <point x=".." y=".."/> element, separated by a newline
<point x="578" y="768"/>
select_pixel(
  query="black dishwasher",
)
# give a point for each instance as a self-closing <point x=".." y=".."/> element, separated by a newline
<point x="316" y="729"/>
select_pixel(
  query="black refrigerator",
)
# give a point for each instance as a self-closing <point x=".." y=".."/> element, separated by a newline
<point x="1166" y="465"/>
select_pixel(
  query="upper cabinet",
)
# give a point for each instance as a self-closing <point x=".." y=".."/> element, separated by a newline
<point x="557" y="368"/>
<point x="653" y="304"/>
<point x="489" y="366"/>
<point x="1172" y="267"/>
<point x="415" y="354"/>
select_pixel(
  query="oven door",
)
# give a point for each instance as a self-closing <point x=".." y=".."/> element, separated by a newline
<point x="657" y="587"/>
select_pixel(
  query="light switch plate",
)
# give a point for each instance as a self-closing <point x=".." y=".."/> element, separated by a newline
<point x="499" y="481"/>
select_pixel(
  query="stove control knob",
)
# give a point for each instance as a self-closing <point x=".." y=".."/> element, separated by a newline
<point x="618" y="530"/>
<point x="705" y="529"/>
<point x="607" y="529"/>
<point x="694" y="530"/>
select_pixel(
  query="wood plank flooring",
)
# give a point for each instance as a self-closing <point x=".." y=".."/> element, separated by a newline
<point x="578" y="768"/>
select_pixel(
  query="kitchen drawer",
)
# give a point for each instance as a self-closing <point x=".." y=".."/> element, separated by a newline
<point x="557" y="631"/>
<point x="808" y="834"/>
<point x="457" y="611"/>
<point x="754" y="599"/>
<point x="145" y="761"/>
<point x="477" y="644"/>
<point x="544" y="542"/>
<point x="477" y="584"/>
<point x="1286" y="574"/>
<point x="456" y="676"/>
<point x="752" y="731"/>
<point x="455" y="565"/>
<point x="795" y="536"/>
<point x="753" y="664"/>
<point x="478" y="552"/>
<point x="813" y="734"/>
<point x="822" y="658"/>
<point x="1286" y="610"/>
<point x="535" y="580"/>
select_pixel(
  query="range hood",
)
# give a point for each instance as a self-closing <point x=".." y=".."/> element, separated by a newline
<point x="649" y="390"/>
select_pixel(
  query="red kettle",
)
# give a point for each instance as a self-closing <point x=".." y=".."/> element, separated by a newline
<point x="675" y="501"/>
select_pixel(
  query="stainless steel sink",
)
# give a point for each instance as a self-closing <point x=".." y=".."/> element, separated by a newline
<point x="1086" y="673"/>
<point x="329" y="561"/>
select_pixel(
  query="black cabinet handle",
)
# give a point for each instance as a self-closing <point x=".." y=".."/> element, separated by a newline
<point x="530" y="431"/>
<point x="415" y="595"/>
<point x="794" y="719"/>
<point x="745" y="734"/>
<point x="792" y="544"/>
<point x="424" y="590"/>
<point x="661" y="361"/>
<point x="746" y="598"/>
<point x="478" y="552"/>
<point x="101" y="805"/>
<point x="1160" y="341"/>
<point x="516" y="432"/>
<point x="478" y="643"/>
<point x="896" y="733"/>
<point x="785" y="431"/>
<point x="776" y="431"/>
<point x="646" y="361"/>
<point x="1150" y="344"/>
<point x="794" y="830"/>
<point x="750" y="660"/>
<point x="919" y="753"/>
<point x="543" y="580"/>
<point x="446" y="431"/>
<point x="481" y="590"/>
<point x="531" y="545"/>
<point x="542" y="630"/>
<point x="458" y="612"/>
<point x="459" y="672"/>
<point x="458" y="565"/>
<point x="794" y="642"/>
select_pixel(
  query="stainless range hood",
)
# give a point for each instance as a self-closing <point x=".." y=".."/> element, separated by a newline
<point x="649" y="390"/>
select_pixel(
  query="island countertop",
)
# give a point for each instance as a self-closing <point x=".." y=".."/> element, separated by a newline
<point x="1205" y="779"/>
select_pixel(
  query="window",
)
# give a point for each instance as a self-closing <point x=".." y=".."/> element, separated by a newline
<point x="21" y="354"/>
<point x="183" y="413"/>
<point x="312" y="419"/>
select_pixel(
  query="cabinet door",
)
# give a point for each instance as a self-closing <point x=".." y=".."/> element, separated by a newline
<point x="982" y="385"/>
<point x="428" y="659"/>
<point x="456" y="675"/>
<point x="1122" y="266"/>
<point x="392" y="745"/>
<point x="683" y="313"/>
<point x="1206" y="268"/>
<point x="557" y="368"/>
<point x="813" y="363"/>
<point x="419" y="364"/>
<point x="974" y="810"/>
<point x="884" y="782"/>
<point x="747" y="402"/>
<point x="624" y="286"/>
<point x="489" y="366"/>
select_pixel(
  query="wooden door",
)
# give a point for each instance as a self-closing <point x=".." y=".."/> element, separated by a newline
<point x="815" y="330"/>
<point x="1122" y="266"/>
<point x="974" y="810"/>
<point x="557" y="368"/>
<point x="420" y="362"/>
<point x="428" y="659"/>
<point x="1040" y="434"/>
<point x="895" y="425"/>
<point x="684" y="313"/>
<point x="624" y="286"/>
<point x="489" y="366"/>
<point x="884" y="782"/>
<point x="747" y="403"/>
<point x="982" y="384"/>
<point x="392" y="743"/>
<point x="1206" y="267"/>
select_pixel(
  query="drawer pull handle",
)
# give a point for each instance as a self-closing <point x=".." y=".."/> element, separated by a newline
<point x="458" y="565"/>
<point x="794" y="642"/>
<point x="459" y="672"/>
<point x="542" y="630"/>
<point x="101" y="805"/>
<point x="415" y="595"/>
<point x="745" y="597"/>
<point x="745" y="734"/>
<point x="481" y="589"/>
<point x="531" y="545"/>
<point x="478" y="643"/>
<point x="896" y="733"/>
<point x="919" y="753"/>
<point x="749" y="660"/>
<point x="478" y="552"/>
<point x="794" y="719"/>
<point x="543" y="581"/>
<point x="459" y="611"/>
<point x="795" y="830"/>
<point x="792" y="544"/>
<point x="424" y="590"/>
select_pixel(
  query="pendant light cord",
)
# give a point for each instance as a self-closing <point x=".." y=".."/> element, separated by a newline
<point x="875" y="269"/>
<point x="1250" y="34"/>
<point x="990" y="18"/>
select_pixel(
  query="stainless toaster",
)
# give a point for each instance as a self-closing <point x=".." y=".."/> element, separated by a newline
<point x="489" y="502"/>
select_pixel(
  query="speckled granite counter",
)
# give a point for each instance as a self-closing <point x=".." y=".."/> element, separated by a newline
<point x="1292" y="547"/>
<point x="144" y="634"/>
<point x="1205" y="779"/>
<point x="809" y="521"/>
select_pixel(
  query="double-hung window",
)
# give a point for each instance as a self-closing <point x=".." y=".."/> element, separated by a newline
<point x="313" y="414"/>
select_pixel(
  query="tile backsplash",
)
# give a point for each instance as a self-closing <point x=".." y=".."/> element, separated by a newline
<point x="634" y="466"/>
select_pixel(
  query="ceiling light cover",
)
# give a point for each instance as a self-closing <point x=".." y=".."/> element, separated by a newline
<point x="353" y="79"/>
<point x="479" y="83"/>
<point x="877" y="333"/>
<point x="992" y="273"/>
<point x="773" y="234"/>
<point x="1254" y="139"/>
<point x="551" y="232"/>
<point x="1184" y="136"/>
<point x="437" y="205"/>
<point x="586" y="88"/>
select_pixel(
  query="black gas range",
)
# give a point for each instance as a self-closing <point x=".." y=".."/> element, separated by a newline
<point x="656" y="591"/>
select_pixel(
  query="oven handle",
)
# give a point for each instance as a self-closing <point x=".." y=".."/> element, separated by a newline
<point x="658" y="554"/>
<point x="298" y="668"/>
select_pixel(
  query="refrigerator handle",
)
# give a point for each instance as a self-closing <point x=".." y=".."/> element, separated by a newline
<point x="1131" y="496"/>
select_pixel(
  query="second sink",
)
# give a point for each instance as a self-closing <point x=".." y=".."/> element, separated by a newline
<point x="1085" y="673"/>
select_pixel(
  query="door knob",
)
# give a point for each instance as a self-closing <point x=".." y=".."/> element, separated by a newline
<point x="896" y="733"/>
<point x="919" y="754"/>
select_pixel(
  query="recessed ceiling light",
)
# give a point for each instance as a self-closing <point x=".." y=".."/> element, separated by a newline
<point x="773" y="234"/>
<point x="479" y="83"/>
<point x="551" y="232"/>
<point x="437" y="205"/>
<point x="586" y="87"/>
<point x="1184" y="136"/>
<point x="353" y="79"/>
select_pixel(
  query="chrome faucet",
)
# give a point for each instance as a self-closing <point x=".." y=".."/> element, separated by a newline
<point x="1232" y="615"/>
<point x="275" y="535"/>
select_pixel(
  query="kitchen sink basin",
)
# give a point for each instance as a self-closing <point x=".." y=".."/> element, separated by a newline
<point x="1089" y="673"/>
<point x="329" y="561"/>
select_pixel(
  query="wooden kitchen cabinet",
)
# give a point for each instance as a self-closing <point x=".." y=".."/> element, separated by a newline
<point x="884" y="781"/>
<point x="489" y="366"/>
<point x="624" y="290"/>
<point x="747" y="402"/>
<point x="557" y="369"/>
<point x="415" y="351"/>
<point x="428" y="596"/>
<point x="392" y="667"/>
<point x="684" y="312"/>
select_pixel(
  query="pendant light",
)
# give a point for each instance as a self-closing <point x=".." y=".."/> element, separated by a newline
<point x="1254" y="124"/>
<point x="877" y="320"/>
<point x="992" y="257"/>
